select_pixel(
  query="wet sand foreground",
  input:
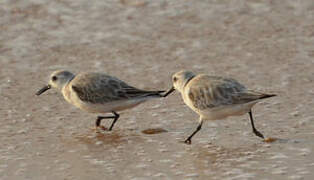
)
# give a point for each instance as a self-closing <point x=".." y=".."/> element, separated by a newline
<point x="266" y="45"/>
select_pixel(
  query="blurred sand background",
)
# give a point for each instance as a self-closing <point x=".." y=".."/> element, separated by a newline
<point x="267" y="45"/>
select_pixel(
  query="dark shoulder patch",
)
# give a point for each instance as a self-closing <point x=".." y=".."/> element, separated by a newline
<point x="191" y="96"/>
<point x="79" y="92"/>
<point x="76" y="89"/>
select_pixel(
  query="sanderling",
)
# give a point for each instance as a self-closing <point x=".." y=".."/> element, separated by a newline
<point x="214" y="97"/>
<point x="98" y="93"/>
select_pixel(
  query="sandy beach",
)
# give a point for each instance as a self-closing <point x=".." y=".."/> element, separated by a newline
<point x="266" y="45"/>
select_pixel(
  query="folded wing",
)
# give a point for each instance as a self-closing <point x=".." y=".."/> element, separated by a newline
<point x="101" y="88"/>
<point x="211" y="92"/>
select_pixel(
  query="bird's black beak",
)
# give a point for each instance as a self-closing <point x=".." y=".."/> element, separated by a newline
<point x="169" y="92"/>
<point x="42" y="90"/>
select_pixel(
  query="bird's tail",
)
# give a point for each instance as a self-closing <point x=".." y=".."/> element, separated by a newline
<point x="156" y="93"/>
<point x="145" y="93"/>
<point x="264" y="96"/>
<point x="250" y="95"/>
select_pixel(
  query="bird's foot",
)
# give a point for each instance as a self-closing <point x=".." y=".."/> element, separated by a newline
<point x="257" y="133"/>
<point x="188" y="141"/>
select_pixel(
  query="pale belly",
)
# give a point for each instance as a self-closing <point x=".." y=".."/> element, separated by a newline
<point x="226" y="111"/>
<point x="108" y="107"/>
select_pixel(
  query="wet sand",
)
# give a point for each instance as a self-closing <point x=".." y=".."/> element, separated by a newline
<point x="268" y="46"/>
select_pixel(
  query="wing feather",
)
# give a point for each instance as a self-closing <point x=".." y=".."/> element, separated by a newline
<point x="100" y="88"/>
<point x="211" y="91"/>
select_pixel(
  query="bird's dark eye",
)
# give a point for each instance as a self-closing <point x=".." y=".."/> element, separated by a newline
<point x="54" y="78"/>
<point x="175" y="79"/>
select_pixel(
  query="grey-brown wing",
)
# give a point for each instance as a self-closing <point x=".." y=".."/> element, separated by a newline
<point x="217" y="92"/>
<point x="101" y="88"/>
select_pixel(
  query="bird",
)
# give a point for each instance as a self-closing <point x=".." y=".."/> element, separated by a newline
<point x="215" y="97"/>
<point x="96" y="92"/>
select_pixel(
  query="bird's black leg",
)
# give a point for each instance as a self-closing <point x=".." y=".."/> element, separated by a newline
<point x="199" y="127"/>
<point x="99" y="118"/>
<point x="116" y="117"/>
<point x="256" y="132"/>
